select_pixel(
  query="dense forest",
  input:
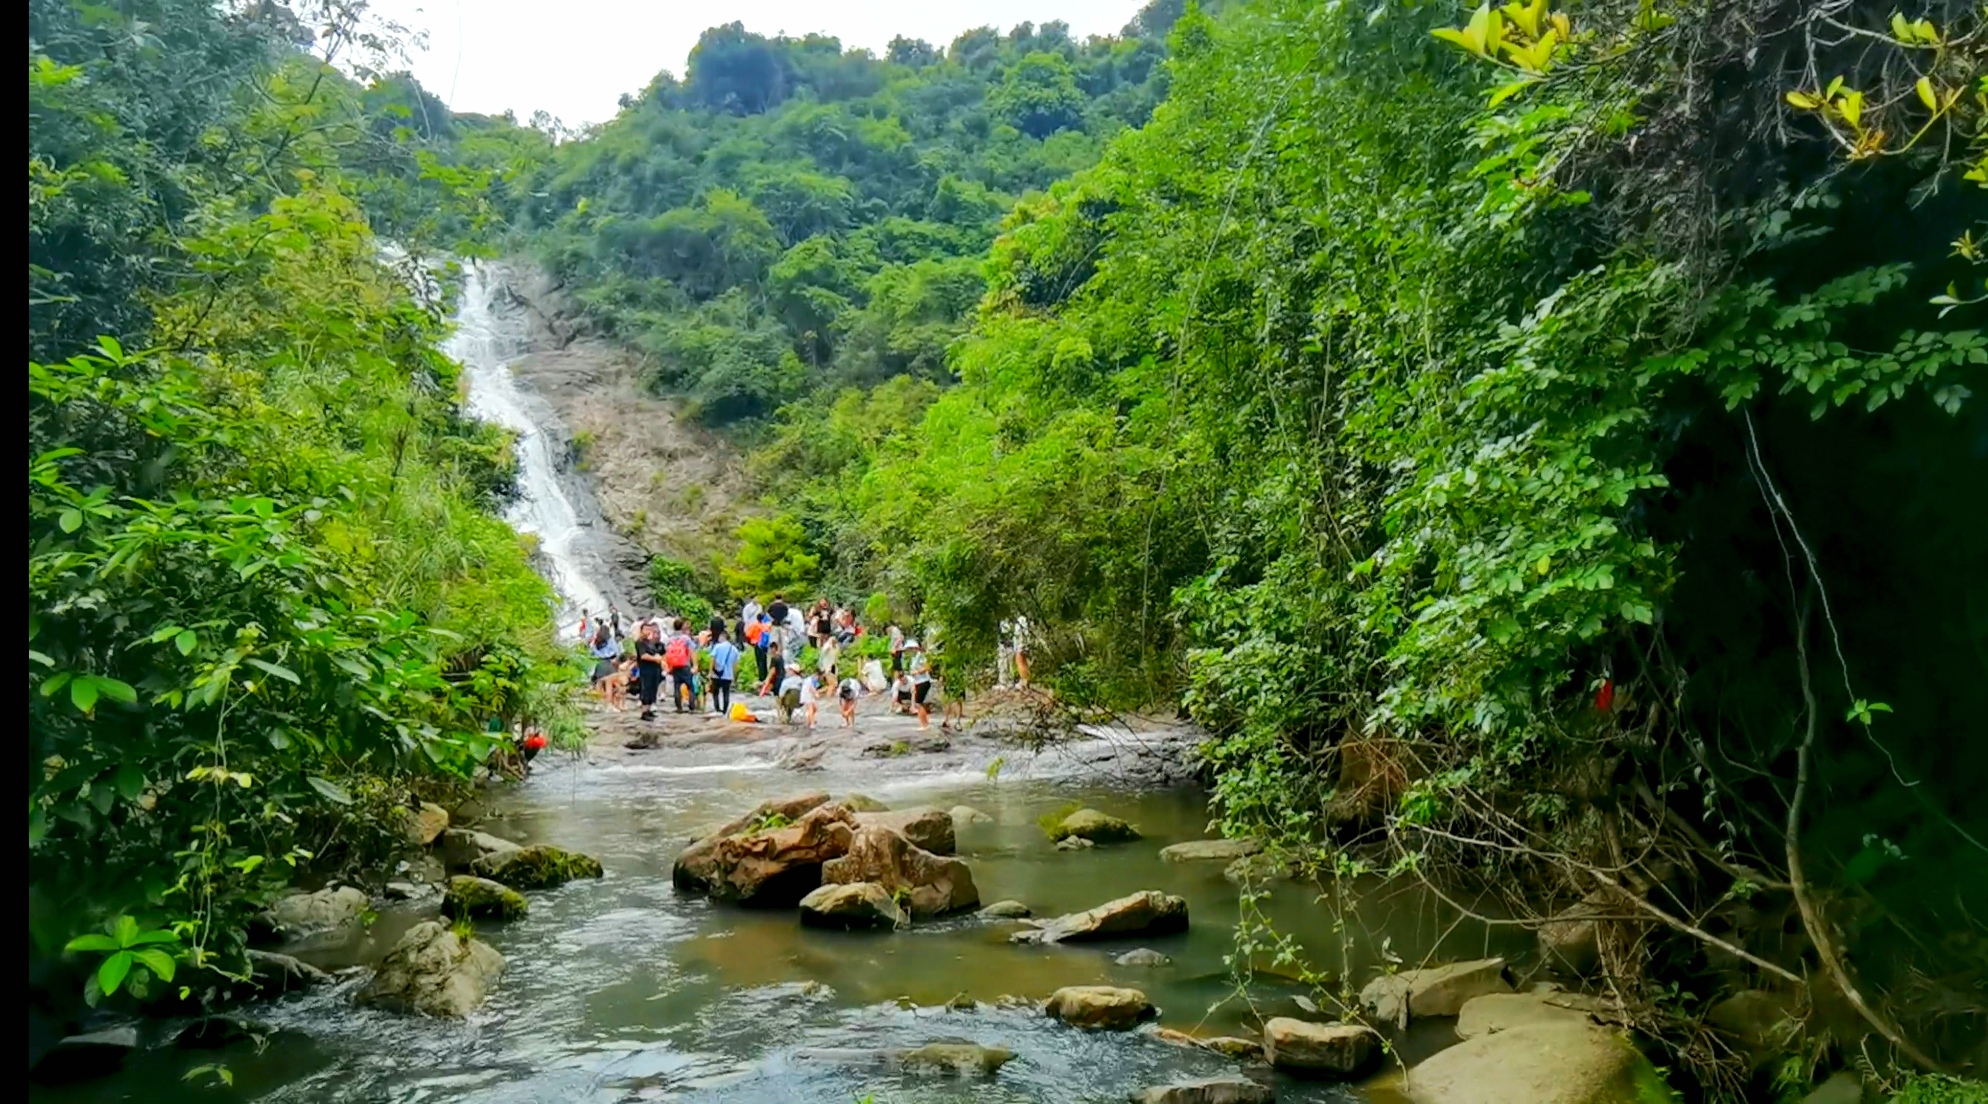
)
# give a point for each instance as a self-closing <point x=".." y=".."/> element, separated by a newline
<point x="1540" y="444"/>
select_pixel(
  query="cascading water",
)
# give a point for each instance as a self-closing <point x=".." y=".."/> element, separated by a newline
<point x="491" y="334"/>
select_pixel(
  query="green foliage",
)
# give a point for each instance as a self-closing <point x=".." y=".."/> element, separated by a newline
<point x="131" y="956"/>
<point x="1940" y="1088"/>
<point x="678" y="589"/>
<point x="773" y="559"/>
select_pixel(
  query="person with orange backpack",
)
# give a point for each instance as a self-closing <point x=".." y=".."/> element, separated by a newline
<point x="679" y="653"/>
<point x="755" y="638"/>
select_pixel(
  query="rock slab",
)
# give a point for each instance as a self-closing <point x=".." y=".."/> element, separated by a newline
<point x="1148" y="912"/>
<point x="1437" y="991"/>
<point x="1495" y="1012"/>
<point x="852" y="906"/>
<point x="1562" y="1063"/>
<point x="1209" y="1090"/>
<point x="1215" y="850"/>
<point x="1320" y="1049"/>
<point x="1099" y="1007"/>
<point x="929" y="884"/>
<point x="929" y="828"/>
<point x="433" y="972"/>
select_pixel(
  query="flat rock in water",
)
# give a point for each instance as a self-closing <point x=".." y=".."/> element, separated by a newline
<point x="1074" y="843"/>
<point x="929" y="828"/>
<point x="1148" y="912"/>
<point x="433" y="972"/>
<point x="1098" y="827"/>
<point x="1006" y="910"/>
<point x="956" y="1059"/>
<point x="540" y="866"/>
<point x="324" y="910"/>
<point x="855" y="905"/>
<point x="1209" y="1090"/>
<point x="1437" y="991"/>
<point x="1559" y="1063"/>
<point x="931" y="885"/>
<point x="1320" y="1049"/>
<point x="460" y="848"/>
<point x="483" y="899"/>
<point x="1215" y="850"/>
<point x="1099" y="1007"/>
<point x="1494" y="1012"/>
<point x="1143" y="956"/>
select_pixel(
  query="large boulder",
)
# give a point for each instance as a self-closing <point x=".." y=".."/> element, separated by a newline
<point x="930" y="885"/>
<point x="461" y="848"/>
<point x="1494" y="1012"/>
<point x="424" y="822"/>
<point x="857" y="905"/>
<point x="434" y="972"/>
<point x="1545" y="1063"/>
<point x="482" y="899"/>
<point x="540" y="866"/>
<point x="1215" y="850"/>
<point x="1090" y="824"/>
<point x="1148" y="912"/>
<point x="325" y="910"/>
<point x="929" y="828"/>
<point x="1209" y="1090"/>
<point x="1437" y="991"/>
<point x="1320" y="1049"/>
<point x="1099" y="1007"/>
<point x="771" y="866"/>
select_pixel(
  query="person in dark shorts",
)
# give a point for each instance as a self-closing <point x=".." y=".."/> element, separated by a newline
<point x="679" y="653"/>
<point x="920" y="670"/>
<point x="648" y="669"/>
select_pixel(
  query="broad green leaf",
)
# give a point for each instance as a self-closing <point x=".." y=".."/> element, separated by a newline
<point x="284" y="673"/>
<point x="332" y="791"/>
<point x="111" y="974"/>
<point x="93" y="941"/>
<point x="1926" y="94"/>
<point x="83" y="693"/>
<point x="70" y="520"/>
<point x="159" y="962"/>
<point x="186" y="642"/>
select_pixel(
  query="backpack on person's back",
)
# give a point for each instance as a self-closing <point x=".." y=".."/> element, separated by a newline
<point x="677" y="652"/>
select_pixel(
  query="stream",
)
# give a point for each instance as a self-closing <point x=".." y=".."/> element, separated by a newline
<point x="623" y="989"/>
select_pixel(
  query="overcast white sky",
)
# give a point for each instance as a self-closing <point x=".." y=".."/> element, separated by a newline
<point x="574" y="58"/>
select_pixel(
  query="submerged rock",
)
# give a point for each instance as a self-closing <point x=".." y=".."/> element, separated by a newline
<point x="1099" y="1007"/>
<point x="930" y="885"/>
<point x="483" y="899"/>
<point x="1006" y="910"/>
<point x="929" y="828"/>
<point x="1148" y="912"/>
<point x="1559" y="1063"/>
<point x="433" y="972"/>
<point x="1496" y="1012"/>
<point x="1074" y="843"/>
<point x="462" y="848"/>
<point x="1209" y="1090"/>
<point x="1214" y="850"/>
<point x="1437" y="991"/>
<point x="855" y="905"/>
<point x="540" y="866"/>
<point x="1320" y="1049"/>
<point x="1143" y="956"/>
<point x="324" y="910"/>
<point x="1090" y="824"/>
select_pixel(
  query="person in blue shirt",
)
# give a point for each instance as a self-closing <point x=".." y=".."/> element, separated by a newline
<point x="724" y="668"/>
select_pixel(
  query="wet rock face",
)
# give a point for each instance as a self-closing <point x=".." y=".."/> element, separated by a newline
<point x="1438" y="991"/>
<point x="769" y="866"/>
<point x="1557" y="1063"/>
<point x="1099" y="1007"/>
<point x="483" y="899"/>
<point x="857" y="905"/>
<point x="1209" y="1090"/>
<point x="433" y="972"/>
<point x="1320" y="1049"/>
<point x="1148" y="912"/>
<point x="929" y="828"/>
<point x="930" y="885"/>
<point x="325" y="910"/>
<point x="540" y="866"/>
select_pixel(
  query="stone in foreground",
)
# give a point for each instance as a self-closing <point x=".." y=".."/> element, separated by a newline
<point x="483" y="899"/>
<point x="1099" y="1007"/>
<point x="1563" y="1063"/>
<point x="433" y="972"/>
<point x="460" y="848"/>
<point x="931" y="885"/>
<point x="1214" y="850"/>
<point x="853" y="906"/>
<point x="1209" y="1090"/>
<point x="1438" y="991"/>
<point x="1148" y="912"/>
<point x="1095" y="826"/>
<point x="1320" y="1049"/>
<point x="540" y="866"/>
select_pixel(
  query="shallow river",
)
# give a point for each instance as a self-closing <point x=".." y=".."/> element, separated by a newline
<point x="623" y="989"/>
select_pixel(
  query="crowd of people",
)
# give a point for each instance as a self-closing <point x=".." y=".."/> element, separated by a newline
<point x="795" y="655"/>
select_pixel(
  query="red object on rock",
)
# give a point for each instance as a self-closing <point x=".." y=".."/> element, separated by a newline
<point x="535" y="742"/>
<point x="1605" y="697"/>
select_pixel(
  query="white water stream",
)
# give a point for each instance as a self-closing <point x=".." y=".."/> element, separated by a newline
<point x="492" y="333"/>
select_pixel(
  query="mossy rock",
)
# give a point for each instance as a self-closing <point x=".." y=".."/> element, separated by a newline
<point x="540" y="866"/>
<point x="483" y="899"/>
<point x="1095" y="826"/>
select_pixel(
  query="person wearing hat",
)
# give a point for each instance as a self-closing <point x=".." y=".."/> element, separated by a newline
<point x="920" y="669"/>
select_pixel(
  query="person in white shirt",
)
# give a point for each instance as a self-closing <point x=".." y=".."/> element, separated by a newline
<point x="749" y="612"/>
<point x="791" y="689"/>
<point x="921" y="683"/>
<point x="1021" y="648"/>
<point x="811" y="697"/>
<point x="846" y="694"/>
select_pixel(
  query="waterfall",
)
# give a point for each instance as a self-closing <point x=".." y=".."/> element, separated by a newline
<point x="491" y="334"/>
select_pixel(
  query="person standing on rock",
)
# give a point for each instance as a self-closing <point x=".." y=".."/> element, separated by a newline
<point x="648" y="669"/>
<point x="921" y="683"/>
<point x="775" y="663"/>
<point x="606" y="650"/>
<point x="777" y="611"/>
<point x="896" y="650"/>
<point x="755" y="636"/>
<point x="749" y="612"/>
<point x="678" y="655"/>
<point x="1021" y="647"/>
<point x="724" y="668"/>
